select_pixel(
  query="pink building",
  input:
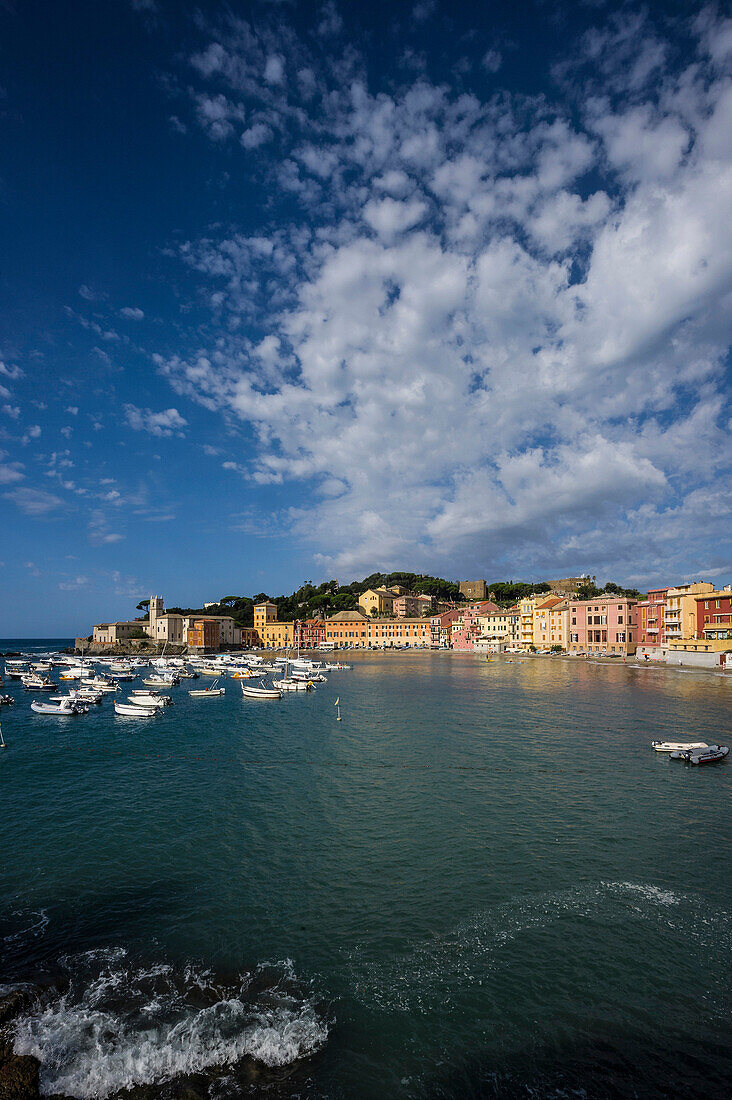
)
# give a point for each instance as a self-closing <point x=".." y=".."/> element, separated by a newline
<point x="466" y="629"/>
<point x="605" y="625"/>
<point x="411" y="607"/>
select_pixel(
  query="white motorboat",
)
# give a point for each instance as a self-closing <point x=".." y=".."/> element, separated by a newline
<point x="132" y="710"/>
<point x="287" y="683"/>
<point x="77" y="695"/>
<point x="150" y="698"/>
<point x="16" y="669"/>
<point x="98" y="683"/>
<point x="33" y="682"/>
<point x="309" y="677"/>
<point x="159" y="681"/>
<point x="677" y="746"/>
<point x="66" y="707"/>
<point x="211" y="692"/>
<point x="71" y="674"/>
<point x="336" y="666"/>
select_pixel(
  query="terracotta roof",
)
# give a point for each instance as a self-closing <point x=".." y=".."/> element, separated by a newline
<point x="349" y="617"/>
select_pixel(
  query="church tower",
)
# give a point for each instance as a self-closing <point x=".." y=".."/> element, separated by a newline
<point x="157" y="608"/>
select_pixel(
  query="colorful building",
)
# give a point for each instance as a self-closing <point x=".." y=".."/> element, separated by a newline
<point x="310" y="633"/>
<point x="526" y="620"/>
<point x="411" y="607"/>
<point x="651" y="622"/>
<point x="203" y="634"/>
<point x="714" y="616"/>
<point x="385" y="633"/>
<point x="379" y="601"/>
<point x="604" y="625"/>
<point x="441" y="628"/>
<point x="551" y="623"/>
<point x="272" y="634"/>
<point x="680" y="614"/>
<point x="348" y="629"/>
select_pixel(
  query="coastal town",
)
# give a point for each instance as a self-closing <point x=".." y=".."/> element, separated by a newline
<point x="688" y="624"/>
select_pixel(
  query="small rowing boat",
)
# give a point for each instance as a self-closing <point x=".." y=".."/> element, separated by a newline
<point x="134" y="710"/>
<point x="249" y="691"/>
<point x="212" y="692"/>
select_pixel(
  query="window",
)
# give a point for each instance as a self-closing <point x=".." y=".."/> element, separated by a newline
<point x="620" y="617"/>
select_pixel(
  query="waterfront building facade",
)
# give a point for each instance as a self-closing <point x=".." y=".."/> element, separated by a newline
<point x="114" y="633"/>
<point x="310" y="633"/>
<point x="714" y="616"/>
<point x="651" y="614"/>
<point x="203" y="634"/>
<point x="441" y="628"/>
<point x="680" y="613"/>
<point x="604" y="625"/>
<point x="551" y="623"/>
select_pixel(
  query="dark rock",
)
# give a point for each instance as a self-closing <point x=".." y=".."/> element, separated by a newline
<point x="12" y="1004"/>
<point x="19" y="1078"/>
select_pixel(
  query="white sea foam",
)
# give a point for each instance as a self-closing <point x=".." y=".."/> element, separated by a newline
<point x="130" y="1026"/>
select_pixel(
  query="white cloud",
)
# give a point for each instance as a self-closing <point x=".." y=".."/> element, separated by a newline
<point x="34" y="502"/>
<point x="165" y="423"/>
<point x="493" y="321"/>
<point x="492" y="61"/>
<point x="132" y="313"/>
<point x="12" y="411"/>
<point x="10" y="371"/>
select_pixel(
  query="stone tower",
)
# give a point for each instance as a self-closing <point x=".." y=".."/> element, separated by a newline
<point x="157" y="608"/>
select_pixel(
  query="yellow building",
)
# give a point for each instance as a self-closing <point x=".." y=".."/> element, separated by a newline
<point x="679" y="614"/>
<point x="551" y="623"/>
<point x="498" y="626"/>
<point x="379" y="599"/>
<point x="526" y="621"/>
<point x="272" y="635"/>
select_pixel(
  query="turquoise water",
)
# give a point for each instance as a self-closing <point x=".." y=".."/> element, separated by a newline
<point x="482" y="882"/>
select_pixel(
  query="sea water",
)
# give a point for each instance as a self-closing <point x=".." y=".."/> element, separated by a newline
<point x="482" y="882"/>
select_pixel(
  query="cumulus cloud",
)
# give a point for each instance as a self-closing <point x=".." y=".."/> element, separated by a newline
<point x="165" y="423"/>
<point x="493" y="321"/>
<point x="132" y="313"/>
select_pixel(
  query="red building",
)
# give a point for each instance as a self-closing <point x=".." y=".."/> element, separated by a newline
<point x="441" y="628"/>
<point x="310" y="633"/>
<point x="650" y="618"/>
<point x="714" y="615"/>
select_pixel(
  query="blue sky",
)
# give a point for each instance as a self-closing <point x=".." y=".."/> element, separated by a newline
<point x="293" y="291"/>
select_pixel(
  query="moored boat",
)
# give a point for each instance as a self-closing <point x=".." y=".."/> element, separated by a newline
<point x="677" y="746"/>
<point x="210" y="692"/>
<point x="33" y="682"/>
<point x="150" y="698"/>
<point x="709" y="755"/>
<point x="66" y="707"/>
<point x="132" y="710"/>
<point x="249" y="691"/>
<point x="287" y="683"/>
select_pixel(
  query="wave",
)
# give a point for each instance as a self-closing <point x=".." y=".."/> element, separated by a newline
<point x="120" y="1025"/>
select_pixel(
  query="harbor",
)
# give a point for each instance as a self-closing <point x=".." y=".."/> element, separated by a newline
<point x="380" y="906"/>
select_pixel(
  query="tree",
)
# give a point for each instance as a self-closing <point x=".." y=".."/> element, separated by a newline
<point x="143" y="605"/>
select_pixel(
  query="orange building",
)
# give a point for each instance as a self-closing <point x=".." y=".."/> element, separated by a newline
<point x="204" y="634"/>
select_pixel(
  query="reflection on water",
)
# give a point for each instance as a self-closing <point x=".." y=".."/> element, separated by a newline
<point x="485" y="880"/>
